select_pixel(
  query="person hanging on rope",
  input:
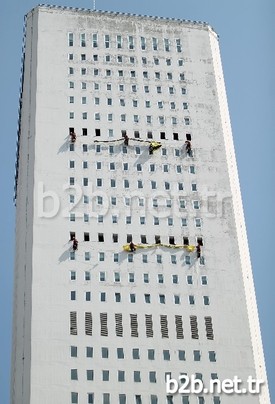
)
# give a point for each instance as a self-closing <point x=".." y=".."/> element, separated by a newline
<point x="126" y="140"/>
<point x="132" y="247"/>
<point x="154" y="146"/>
<point x="75" y="243"/>
<point x="198" y="250"/>
<point x="188" y="148"/>
<point x="73" y="137"/>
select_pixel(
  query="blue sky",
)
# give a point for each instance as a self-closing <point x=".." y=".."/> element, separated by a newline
<point x="246" y="30"/>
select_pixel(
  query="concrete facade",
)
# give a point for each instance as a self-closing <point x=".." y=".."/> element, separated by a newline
<point x="102" y="325"/>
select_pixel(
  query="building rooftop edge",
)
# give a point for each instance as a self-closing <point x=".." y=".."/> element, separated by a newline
<point x="52" y="6"/>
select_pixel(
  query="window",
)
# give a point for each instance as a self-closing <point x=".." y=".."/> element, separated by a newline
<point x="169" y="76"/>
<point x="74" y="398"/>
<point x="181" y="355"/>
<point x="89" y="352"/>
<point x="107" y="41"/>
<point x="70" y="39"/>
<point x="137" y="377"/>
<point x="178" y="45"/>
<point x="106" y="398"/>
<point x="156" y="61"/>
<point x="196" y="204"/>
<point x="90" y="375"/>
<point x="71" y="70"/>
<point x="197" y="355"/>
<point x="147" y="298"/>
<point x="146" y="278"/>
<point x="74" y="375"/>
<point x="104" y="352"/>
<point x="131" y="42"/>
<point x="159" y="91"/>
<point x="173" y="258"/>
<point x="212" y="356"/>
<point x="206" y="300"/>
<point x="155" y="44"/>
<point x="160" y="278"/>
<point x="161" y="120"/>
<point x="105" y="375"/>
<point x="166" y="45"/>
<point x="175" y="279"/>
<point x="121" y="376"/>
<point x="162" y="299"/>
<point x="152" y="377"/>
<point x="194" y="187"/>
<point x="191" y="299"/>
<point x="204" y="280"/>
<point x="94" y="39"/>
<point x="166" y="355"/>
<point x="121" y="87"/>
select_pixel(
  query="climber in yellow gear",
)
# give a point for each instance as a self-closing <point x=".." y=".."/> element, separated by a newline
<point x="154" y="146"/>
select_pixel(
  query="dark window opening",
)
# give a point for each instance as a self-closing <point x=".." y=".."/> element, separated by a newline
<point x="72" y="235"/>
<point x="185" y="241"/>
<point x="97" y="132"/>
<point x="162" y="135"/>
<point x="84" y="132"/>
<point x="123" y="133"/>
<point x="86" y="237"/>
<point x="176" y="136"/>
<point x="136" y="134"/>
<point x="143" y="239"/>
<point x="129" y="238"/>
<point x="200" y="240"/>
<point x="188" y="136"/>
<point x="157" y="240"/>
<point x="100" y="237"/>
<point x="171" y="240"/>
<point x="71" y="130"/>
<point x="115" y="238"/>
<point x="149" y="135"/>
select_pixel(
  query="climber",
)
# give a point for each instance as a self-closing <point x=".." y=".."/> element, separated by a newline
<point x="198" y="249"/>
<point x="188" y="148"/>
<point x="154" y="146"/>
<point x="132" y="246"/>
<point x="73" y="137"/>
<point x="75" y="243"/>
<point x="126" y="140"/>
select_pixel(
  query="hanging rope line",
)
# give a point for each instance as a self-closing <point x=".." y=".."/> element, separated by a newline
<point x="189" y="248"/>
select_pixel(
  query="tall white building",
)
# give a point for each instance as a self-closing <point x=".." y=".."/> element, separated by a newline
<point x="100" y="324"/>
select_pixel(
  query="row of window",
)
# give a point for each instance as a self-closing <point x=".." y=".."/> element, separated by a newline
<point x="143" y="239"/>
<point x="148" y="330"/>
<point x="152" y="167"/>
<point x="122" y="102"/>
<point x="103" y="276"/>
<point x="147" y="298"/>
<point x="115" y="219"/>
<point x="124" y="149"/>
<point x="119" y="42"/>
<point x="124" y="59"/>
<point x="122" y="376"/>
<point x="136" y="353"/>
<point x="136" y="399"/>
<point x="186" y="260"/>
<point x="123" y="87"/>
<point x="97" y="116"/>
<point x="113" y="183"/>
<point x="95" y="71"/>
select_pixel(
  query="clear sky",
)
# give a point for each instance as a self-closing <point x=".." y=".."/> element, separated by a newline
<point x="246" y="30"/>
